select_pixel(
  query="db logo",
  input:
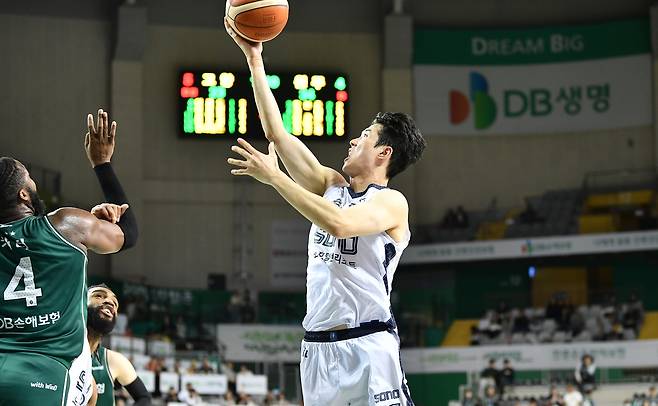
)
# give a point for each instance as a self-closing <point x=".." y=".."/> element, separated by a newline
<point x="478" y="99"/>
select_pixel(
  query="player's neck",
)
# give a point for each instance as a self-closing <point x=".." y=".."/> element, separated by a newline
<point x="94" y="339"/>
<point x="361" y="183"/>
<point x="16" y="214"/>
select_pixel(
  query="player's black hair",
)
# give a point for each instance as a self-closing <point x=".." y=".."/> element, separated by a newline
<point x="400" y="133"/>
<point x="11" y="182"/>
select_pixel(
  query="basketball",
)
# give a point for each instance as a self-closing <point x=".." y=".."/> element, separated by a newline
<point x="257" y="20"/>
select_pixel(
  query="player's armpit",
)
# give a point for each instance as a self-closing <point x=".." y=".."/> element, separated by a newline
<point x="83" y="229"/>
<point x="333" y="178"/>
<point x="385" y="212"/>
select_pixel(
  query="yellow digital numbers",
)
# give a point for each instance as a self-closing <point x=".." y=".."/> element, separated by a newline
<point x="222" y="104"/>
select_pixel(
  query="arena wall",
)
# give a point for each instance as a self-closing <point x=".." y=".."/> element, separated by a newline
<point x="188" y="183"/>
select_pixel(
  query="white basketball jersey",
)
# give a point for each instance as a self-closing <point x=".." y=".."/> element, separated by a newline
<point x="348" y="281"/>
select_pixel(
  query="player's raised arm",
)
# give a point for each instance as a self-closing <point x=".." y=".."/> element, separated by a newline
<point x="300" y="162"/>
<point x="99" y="146"/>
<point x="109" y="227"/>
<point x="386" y="211"/>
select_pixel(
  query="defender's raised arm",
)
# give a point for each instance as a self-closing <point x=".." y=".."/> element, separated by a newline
<point x="108" y="228"/>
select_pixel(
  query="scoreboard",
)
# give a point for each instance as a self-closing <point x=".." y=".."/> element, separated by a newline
<point x="217" y="104"/>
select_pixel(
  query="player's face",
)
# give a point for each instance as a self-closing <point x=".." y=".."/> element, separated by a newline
<point x="362" y="154"/>
<point x="102" y="310"/>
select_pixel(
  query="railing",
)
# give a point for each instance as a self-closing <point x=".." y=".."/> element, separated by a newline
<point x="635" y="177"/>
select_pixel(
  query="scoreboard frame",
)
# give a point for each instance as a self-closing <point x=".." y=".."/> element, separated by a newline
<point x="302" y="108"/>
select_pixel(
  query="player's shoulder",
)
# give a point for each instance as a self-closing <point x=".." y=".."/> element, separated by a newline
<point x="116" y="356"/>
<point x="392" y="196"/>
<point x="119" y="363"/>
<point x="71" y="221"/>
<point x="67" y="214"/>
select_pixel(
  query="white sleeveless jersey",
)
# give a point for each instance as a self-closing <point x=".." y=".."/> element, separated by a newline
<point x="348" y="281"/>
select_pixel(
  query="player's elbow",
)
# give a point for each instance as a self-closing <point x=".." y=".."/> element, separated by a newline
<point x="340" y="233"/>
<point x="339" y="229"/>
<point x="274" y="132"/>
<point x="130" y="237"/>
<point x="128" y="226"/>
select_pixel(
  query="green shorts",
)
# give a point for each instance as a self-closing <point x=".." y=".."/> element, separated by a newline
<point x="32" y="379"/>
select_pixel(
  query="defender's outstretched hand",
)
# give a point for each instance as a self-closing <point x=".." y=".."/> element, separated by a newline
<point x="109" y="212"/>
<point x="99" y="140"/>
<point x="250" y="49"/>
<point x="262" y="167"/>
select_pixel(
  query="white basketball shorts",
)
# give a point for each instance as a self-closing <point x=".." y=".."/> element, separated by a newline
<point x="80" y="379"/>
<point x="363" y="371"/>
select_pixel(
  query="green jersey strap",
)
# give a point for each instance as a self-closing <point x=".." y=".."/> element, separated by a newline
<point x="100" y="368"/>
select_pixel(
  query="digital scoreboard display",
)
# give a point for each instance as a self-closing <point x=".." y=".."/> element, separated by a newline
<point x="220" y="104"/>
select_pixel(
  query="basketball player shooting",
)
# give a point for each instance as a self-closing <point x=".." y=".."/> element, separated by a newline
<point x="350" y="352"/>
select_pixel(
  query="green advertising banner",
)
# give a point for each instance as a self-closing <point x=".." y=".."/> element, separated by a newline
<point x="529" y="46"/>
<point x="528" y="81"/>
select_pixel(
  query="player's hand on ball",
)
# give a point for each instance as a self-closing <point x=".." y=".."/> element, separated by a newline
<point x="99" y="140"/>
<point x="109" y="212"/>
<point x="251" y="49"/>
<point x="262" y="167"/>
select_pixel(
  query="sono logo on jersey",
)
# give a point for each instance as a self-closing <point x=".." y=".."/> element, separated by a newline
<point x="516" y="103"/>
<point x="388" y="395"/>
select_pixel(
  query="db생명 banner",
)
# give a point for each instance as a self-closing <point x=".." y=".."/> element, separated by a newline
<point x="548" y="80"/>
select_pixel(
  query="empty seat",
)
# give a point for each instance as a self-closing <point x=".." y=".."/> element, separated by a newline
<point x="593" y="327"/>
<point x="584" y="336"/>
<point x="545" y="336"/>
<point x="561" y="337"/>
<point x="549" y="325"/>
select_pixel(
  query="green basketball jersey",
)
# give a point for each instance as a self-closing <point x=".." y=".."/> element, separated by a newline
<point x="43" y="307"/>
<point x="104" y="381"/>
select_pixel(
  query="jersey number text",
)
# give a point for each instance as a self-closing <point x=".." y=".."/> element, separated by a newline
<point x="31" y="292"/>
